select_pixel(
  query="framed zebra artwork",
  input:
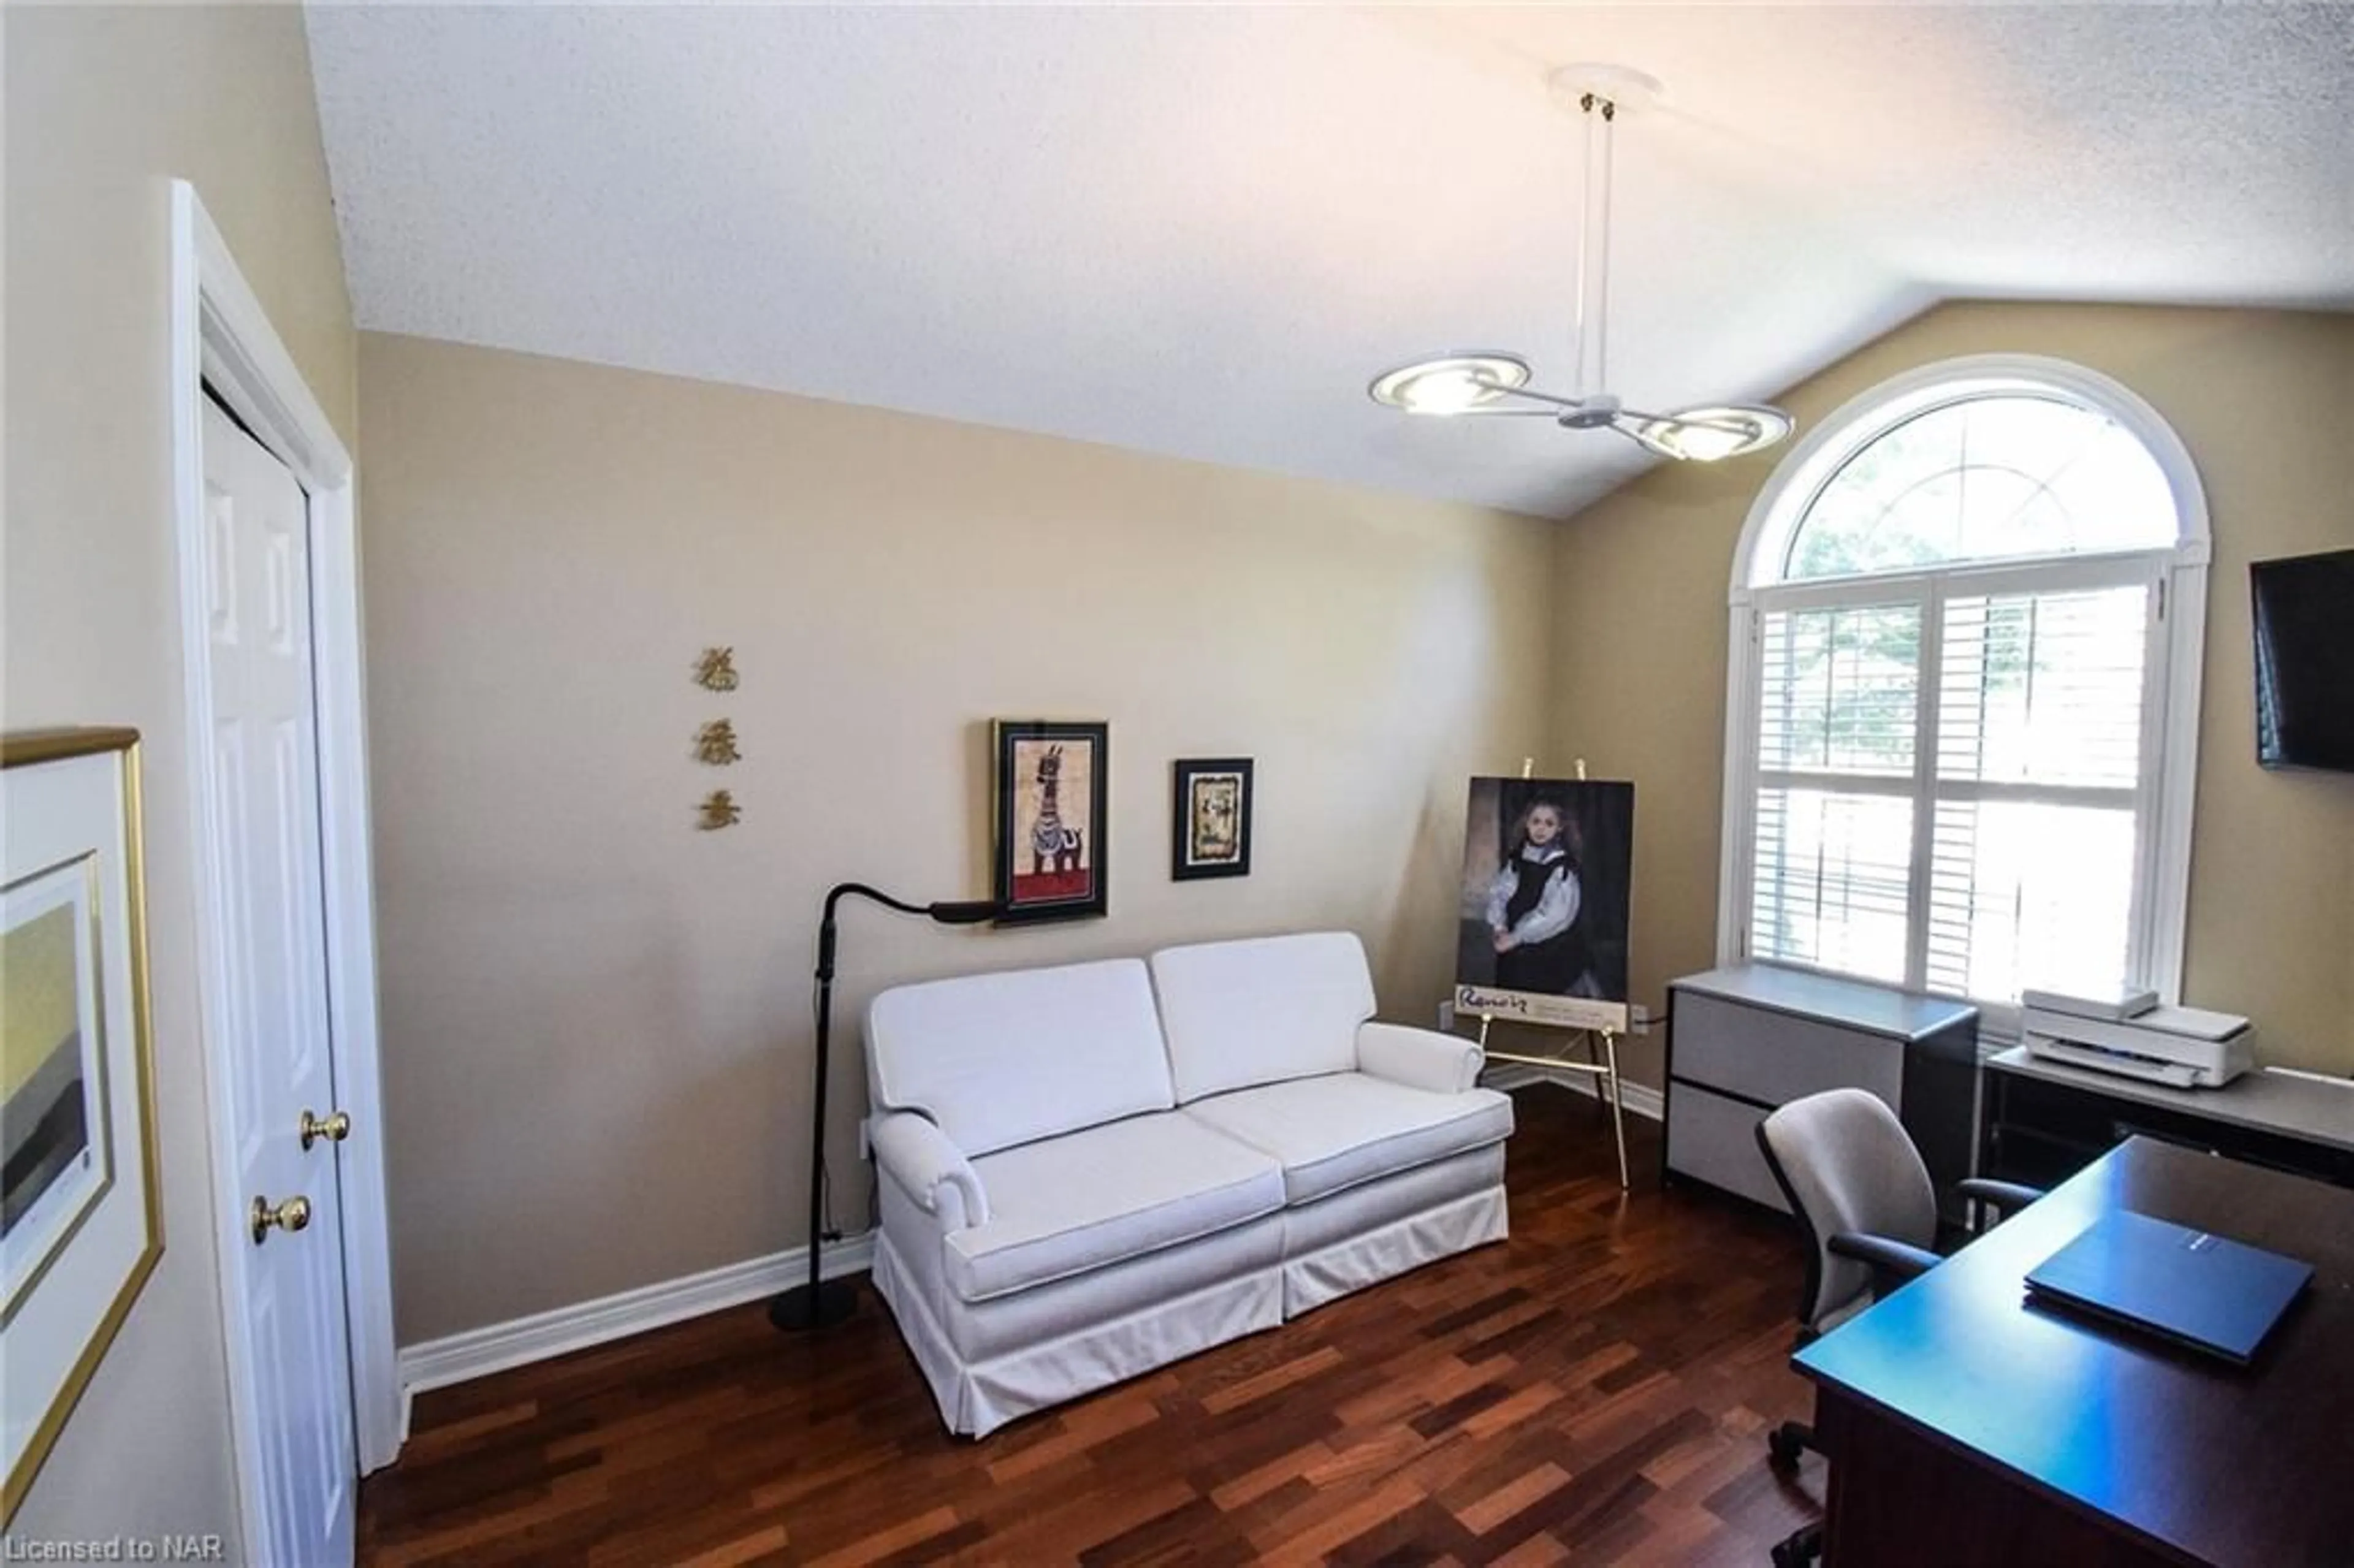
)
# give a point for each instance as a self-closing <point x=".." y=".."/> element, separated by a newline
<point x="1051" y="808"/>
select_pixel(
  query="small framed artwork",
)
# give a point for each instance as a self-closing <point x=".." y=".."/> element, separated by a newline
<point x="1051" y="808"/>
<point x="80" y="1207"/>
<point x="1212" y="815"/>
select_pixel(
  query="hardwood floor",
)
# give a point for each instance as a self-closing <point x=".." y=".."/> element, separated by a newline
<point x="1595" y="1389"/>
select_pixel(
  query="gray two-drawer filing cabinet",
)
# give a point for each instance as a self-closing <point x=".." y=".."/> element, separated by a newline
<point x="1744" y="1039"/>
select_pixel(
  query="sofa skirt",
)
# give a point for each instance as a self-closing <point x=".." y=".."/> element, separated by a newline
<point x="1026" y="1351"/>
<point x="976" y="1397"/>
<point x="1385" y="1228"/>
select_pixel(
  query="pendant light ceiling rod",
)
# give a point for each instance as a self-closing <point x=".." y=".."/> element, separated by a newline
<point x="1494" y="382"/>
<point x="1593" y="242"/>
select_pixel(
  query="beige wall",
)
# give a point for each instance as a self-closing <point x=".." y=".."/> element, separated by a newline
<point x="104" y="105"/>
<point x="596" y="1021"/>
<point x="2259" y="397"/>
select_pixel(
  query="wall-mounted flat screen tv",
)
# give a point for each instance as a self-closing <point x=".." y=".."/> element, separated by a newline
<point x="2305" y="660"/>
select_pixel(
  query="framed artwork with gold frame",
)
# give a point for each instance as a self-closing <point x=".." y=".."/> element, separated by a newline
<point x="82" y="1217"/>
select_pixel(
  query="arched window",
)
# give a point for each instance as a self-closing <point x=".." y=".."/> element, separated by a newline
<point x="1966" y="619"/>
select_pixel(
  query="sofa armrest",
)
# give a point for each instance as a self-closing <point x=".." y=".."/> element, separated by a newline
<point x="934" y="1172"/>
<point x="1419" y="1058"/>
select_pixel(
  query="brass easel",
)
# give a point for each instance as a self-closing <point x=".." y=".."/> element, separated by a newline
<point x="1601" y="1066"/>
<point x="1605" y="1071"/>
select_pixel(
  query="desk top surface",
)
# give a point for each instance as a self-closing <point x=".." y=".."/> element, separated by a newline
<point x="2316" y="1109"/>
<point x="1855" y="1004"/>
<point x="2221" y="1464"/>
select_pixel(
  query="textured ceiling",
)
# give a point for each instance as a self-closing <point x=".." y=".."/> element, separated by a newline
<point x="1200" y="231"/>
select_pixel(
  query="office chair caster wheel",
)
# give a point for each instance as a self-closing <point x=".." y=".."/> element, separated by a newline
<point x="1800" y="1551"/>
<point x="1785" y="1447"/>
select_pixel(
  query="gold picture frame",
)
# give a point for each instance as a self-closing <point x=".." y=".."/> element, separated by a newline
<point x="81" y="1211"/>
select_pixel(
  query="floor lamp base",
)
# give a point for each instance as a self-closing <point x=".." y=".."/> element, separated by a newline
<point x="830" y="1302"/>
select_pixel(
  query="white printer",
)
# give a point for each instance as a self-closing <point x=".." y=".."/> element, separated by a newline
<point x="2187" y="1047"/>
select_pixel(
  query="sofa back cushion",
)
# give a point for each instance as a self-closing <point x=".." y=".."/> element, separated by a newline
<point x="1008" y="1058"/>
<point x="1261" y="1011"/>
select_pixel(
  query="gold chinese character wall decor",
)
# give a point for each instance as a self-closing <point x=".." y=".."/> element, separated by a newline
<point x="719" y="810"/>
<point x="715" y="744"/>
<point x="715" y="670"/>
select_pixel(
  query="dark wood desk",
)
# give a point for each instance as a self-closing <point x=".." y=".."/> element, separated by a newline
<point x="1964" y="1427"/>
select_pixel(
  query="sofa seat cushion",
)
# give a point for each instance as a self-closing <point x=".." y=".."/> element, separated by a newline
<point x="1104" y="1194"/>
<point x="1344" y="1129"/>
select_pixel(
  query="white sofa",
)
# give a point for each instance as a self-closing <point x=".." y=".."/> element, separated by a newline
<point x="1078" y="1185"/>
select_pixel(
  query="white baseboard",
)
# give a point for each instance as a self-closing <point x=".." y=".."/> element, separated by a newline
<point x="1641" y="1098"/>
<point x="478" y="1352"/>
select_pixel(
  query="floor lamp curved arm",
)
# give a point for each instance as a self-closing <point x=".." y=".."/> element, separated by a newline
<point x="821" y="1304"/>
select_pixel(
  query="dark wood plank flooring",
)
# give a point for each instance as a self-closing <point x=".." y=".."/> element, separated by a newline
<point x="1595" y="1390"/>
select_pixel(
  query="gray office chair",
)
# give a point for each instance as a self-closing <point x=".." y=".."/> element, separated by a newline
<point x="1863" y="1198"/>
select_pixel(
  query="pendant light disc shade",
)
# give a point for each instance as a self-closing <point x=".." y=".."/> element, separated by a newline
<point x="1713" y="433"/>
<point x="1451" y="383"/>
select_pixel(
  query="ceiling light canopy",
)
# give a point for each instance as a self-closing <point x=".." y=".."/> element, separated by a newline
<point x="1493" y="382"/>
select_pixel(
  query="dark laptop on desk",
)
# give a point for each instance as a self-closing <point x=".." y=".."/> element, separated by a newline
<point x="2194" y="1288"/>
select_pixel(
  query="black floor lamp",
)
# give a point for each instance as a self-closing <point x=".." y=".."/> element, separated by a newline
<point x="819" y="1304"/>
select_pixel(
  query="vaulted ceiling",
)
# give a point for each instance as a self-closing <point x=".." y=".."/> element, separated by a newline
<point x="1200" y="231"/>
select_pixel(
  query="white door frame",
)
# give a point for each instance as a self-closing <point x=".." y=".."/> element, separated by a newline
<point x="221" y="337"/>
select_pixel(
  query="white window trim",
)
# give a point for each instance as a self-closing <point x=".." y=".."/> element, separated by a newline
<point x="2171" y="695"/>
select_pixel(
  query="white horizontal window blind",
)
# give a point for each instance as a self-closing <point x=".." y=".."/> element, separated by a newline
<point x="2043" y="689"/>
<point x="2031" y="858"/>
<point x="1837" y="733"/>
<point x="1832" y="875"/>
<point x="1973" y="832"/>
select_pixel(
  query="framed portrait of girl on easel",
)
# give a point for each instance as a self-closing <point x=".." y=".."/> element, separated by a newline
<point x="1543" y="912"/>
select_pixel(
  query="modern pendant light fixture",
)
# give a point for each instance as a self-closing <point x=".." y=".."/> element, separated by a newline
<point x="1493" y="382"/>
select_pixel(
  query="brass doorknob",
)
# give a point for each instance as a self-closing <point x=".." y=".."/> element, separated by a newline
<point x="290" y="1216"/>
<point x="334" y="1128"/>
